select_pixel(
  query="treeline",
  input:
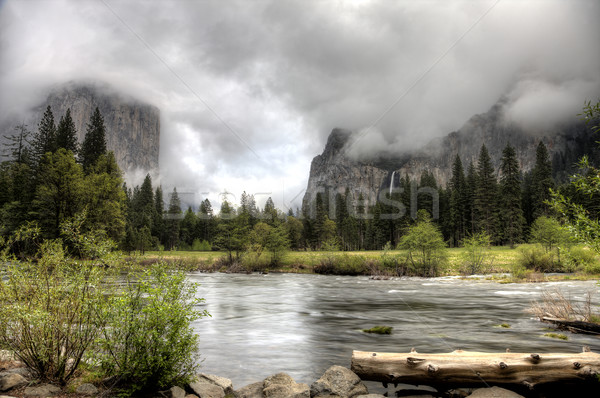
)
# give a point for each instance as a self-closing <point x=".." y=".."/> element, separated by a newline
<point x="50" y="178"/>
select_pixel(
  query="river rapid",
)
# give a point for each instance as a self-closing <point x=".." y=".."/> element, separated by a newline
<point x="303" y="324"/>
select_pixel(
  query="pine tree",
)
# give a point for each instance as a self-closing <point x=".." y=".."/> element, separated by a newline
<point x="173" y="220"/>
<point x="542" y="182"/>
<point x="458" y="198"/>
<point x="94" y="143"/>
<point x="158" y="222"/>
<point x="470" y="189"/>
<point x="486" y="195"/>
<point x="18" y="145"/>
<point x="66" y="135"/>
<point x="511" y="214"/>
<point x="206" y="222"/>
<point x="44" y="140"/>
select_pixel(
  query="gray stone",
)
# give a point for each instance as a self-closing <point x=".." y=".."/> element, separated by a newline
<point x="371" y="396"/>
<point x="191" y="396"/>
<point x="11" y="380"/>
<point x="207" y="390"/>
<point x="44" y="390"/>
<point x="222" y="382"/>
<point x="176" y="392"/>
<point x="87" y="389"/>
<point x="281" y="385"/>
<point x="494" y="392"/>
<point x="17" y="371"/>
<point x="253" y="390"/>
<point x="338" y="381"/>
<point x="6" y="396"/>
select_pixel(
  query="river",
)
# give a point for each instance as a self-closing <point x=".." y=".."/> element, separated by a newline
<point x="302" y="324"/>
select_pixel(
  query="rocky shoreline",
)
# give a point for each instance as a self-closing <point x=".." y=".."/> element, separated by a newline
<point x="16" y="381"/>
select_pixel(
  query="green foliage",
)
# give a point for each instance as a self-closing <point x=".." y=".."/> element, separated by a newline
<point x="51" y="311"/>
<point x="379" y="330"/>
<point x="66" y="134"/>
<point x="426" y="247"/>
<point x="94" y="143"/>
<point x="550" y="234"/>
<point x="476" y="253"/>
<point x="344" y="264"/>
<point x="486" y="195"/>
<point x="203" y="246"/>
<point x="149" y="342"/>
<point x="581" y="258"/>
<point x="591" y="115"/>
<point x="511" y="214"/>
<point x="536" y="258"/>
<point x="559" y="336"/>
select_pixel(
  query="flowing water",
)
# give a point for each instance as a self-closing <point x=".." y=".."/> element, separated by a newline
<point x="302" y="324"/>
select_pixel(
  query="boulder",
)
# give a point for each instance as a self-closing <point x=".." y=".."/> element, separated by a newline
<point x="6" y="396"/>
<point x="18" y="371"/>
<point x="222" y="382"/>
<point x="191" y="396"/>
<point x="494" y="392"/>
<point x="371" y="396"/>
<point x="338" y="381"/>
<point x="207" y="390"/>
<point x="87" y="389"/>
<point x="253" y="390"/>
<point x="44" y="390"/>
<point x="176" y="392"/>
<point x="11" y="380"/>
<point x="281" y="385"/>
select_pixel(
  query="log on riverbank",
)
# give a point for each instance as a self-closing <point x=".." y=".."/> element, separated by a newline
<point x="476" y="368"/>
<point x="574" y="326"/>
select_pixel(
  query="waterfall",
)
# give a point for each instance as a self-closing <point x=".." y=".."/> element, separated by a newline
<point x="392" y="183"/>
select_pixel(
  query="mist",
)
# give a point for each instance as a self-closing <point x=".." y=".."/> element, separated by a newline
<point x="249" y="91"/>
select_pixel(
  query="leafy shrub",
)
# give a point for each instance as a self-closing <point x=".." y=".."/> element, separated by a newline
<point x="149" y="342"/>
<point x="476" y="254"/>
<point x="203" y="246"/>
<point x="426" y="247"/>
<point x="581" y="258"/>
<point x="51" y="311"/>
<point x="344" y="264"/>
<point x="379" y="330"/>
<point x="537" y="259"/>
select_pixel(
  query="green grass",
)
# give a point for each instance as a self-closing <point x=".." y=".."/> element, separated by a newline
<point x="503" y="325"/>
<point x="379" y="330"/>
<point x="500" y="260"/>
<point x="556" y="336"/>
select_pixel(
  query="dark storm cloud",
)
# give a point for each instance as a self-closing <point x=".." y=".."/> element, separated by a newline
<point x="281" y="74"/>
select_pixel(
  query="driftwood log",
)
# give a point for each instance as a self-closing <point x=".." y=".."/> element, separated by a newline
<point x="476" y="368"/>
<point x="574" y="326"/>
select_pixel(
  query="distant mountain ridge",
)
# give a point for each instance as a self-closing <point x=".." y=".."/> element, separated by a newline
<point x="334" y="171"/>
<point x="132" y="126"/>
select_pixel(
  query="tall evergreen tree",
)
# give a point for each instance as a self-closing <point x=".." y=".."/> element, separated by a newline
<point x="458" y="198"/>
<point x="44" y="140"/>
<point x="511" y="214"/>
<point x="17" y="146"/>
<point x="158" y="222"/>
<point x="486" y="195"/>
<point x="94" y="143"/>
<point x="66" y="134"/>
<point x="173" y="220"/>
<point x="470" y="190"/>
<point x="206" y="221"/>
<point x="542" y="181"/>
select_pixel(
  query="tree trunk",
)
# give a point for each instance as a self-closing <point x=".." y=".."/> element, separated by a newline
<point x="474" y="368"/>
<point x="575" y="326"/>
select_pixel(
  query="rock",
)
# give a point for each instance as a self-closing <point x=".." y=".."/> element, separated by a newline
<point x="253" y="390"/>
<point x="6" y="396"/>
<point x="44" y="390"/>
<point x="281" y="385"/>
<point x="338" y="381"/>
<point x="371" y="396"/>
<point x="11" y="380"/>
<point x="176" y="392"/>
<point x="207" y="390"/>
<point x="17" y="371"/>
<point x="191" y="396"/>
<point x="222" y="382"/>
<point x="87" y="389"/>
<point x="494" y="392"/>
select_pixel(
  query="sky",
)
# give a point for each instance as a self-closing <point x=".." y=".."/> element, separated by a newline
<point x="250" y="90"/>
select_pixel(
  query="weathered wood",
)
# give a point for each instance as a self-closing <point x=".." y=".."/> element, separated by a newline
<point x="574" y="326"/>
<point x="473" y="368"/>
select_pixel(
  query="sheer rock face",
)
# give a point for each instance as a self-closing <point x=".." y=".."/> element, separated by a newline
<point x="334" y="171"/>
<point x="132" y="127"/>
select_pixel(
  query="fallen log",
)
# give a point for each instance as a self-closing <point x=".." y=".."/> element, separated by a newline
<point x="476" y="368"/>
<point x="574" y="326"/>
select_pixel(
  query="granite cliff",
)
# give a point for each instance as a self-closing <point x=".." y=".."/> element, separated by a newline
<point x="132" y="126"/>
<point x="335" y="171"/>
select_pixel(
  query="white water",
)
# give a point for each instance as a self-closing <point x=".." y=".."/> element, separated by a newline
<point x="392" y="183"/>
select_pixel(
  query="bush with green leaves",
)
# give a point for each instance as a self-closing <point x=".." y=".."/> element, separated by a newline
<point x="537" y="259"/>
<point x="344" y="264"/>
<point x="476" y="257"/>
<point x="427" y="254"/>
<point x="51" y="311"/>
<point x="149" y="342"/>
